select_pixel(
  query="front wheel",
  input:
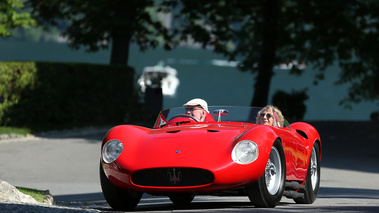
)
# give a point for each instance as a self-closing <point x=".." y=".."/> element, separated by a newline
<point x="118" y="198"/>
<point x="312" y="181"/>
<point x="268" y="190"/>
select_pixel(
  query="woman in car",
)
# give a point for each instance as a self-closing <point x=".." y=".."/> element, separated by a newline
<point x="270" y="115"/>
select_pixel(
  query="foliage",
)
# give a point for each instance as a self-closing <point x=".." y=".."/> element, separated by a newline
<point x="14" y="130"/>
<point x="259" y="34"/>
<point x="35" y="34"/>
<point x="15" y="78"/>
<point x="11" y="17"/>
<point x="263" y="33"/>
<point x="97" y="24"/>
<point x="35" y="94"/>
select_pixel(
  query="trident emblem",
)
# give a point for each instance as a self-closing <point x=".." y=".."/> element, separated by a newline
<point x="174" y="175"/>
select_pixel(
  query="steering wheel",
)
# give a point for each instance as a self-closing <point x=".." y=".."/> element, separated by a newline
<point x="184" y="116"/>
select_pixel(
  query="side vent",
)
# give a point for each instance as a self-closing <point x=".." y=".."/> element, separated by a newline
<point x="211" y="130"/>
<point x="175" y="131"/>
<point x="302" y="134"/>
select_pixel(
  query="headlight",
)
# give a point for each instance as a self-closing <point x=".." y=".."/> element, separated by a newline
<point x="112" y="150"/>
<point x="245" y="152"/>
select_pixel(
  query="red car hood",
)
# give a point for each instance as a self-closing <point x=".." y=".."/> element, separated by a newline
<point x="201" y="146"/>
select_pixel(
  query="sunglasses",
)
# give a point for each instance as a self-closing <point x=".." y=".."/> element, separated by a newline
<point x="268" y="115"/>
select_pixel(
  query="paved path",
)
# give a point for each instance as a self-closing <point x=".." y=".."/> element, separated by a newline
<point x="61" y="165"/>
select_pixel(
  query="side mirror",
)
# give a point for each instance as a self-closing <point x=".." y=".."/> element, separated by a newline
<point x="219" y="113"/>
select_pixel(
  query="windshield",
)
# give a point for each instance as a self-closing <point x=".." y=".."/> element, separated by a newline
<point x="216" y="114"/>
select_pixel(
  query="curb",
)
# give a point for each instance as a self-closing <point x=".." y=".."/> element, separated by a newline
<point x="13" y="137"/>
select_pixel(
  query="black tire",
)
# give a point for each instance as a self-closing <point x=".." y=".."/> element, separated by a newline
<point x="312" y="181"/>
<point x="268" y="190"/>
<point x="181" y="198"/>
<point x="119" y="199"/>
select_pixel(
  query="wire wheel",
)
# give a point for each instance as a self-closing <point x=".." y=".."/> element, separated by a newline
<point x="268" y="190"/>
<point x="314" y="169"/>
<point x="312" y="181"/>
<point x="273" y="172"/>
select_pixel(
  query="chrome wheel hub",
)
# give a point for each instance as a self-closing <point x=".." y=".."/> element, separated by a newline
<point x="273" y="172"/>
<point x="313" y="168"/>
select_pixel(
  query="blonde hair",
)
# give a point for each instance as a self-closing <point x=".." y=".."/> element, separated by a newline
<point x="272" y="109"/>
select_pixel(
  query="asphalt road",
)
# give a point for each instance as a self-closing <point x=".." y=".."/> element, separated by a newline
<point x="68" y="167"/>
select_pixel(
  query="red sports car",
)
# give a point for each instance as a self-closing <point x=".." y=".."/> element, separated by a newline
<point x="226" y="154"/>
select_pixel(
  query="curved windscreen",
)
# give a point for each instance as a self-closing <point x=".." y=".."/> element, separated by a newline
<point x="217" y="114"/>
<point x="225" y="113"/>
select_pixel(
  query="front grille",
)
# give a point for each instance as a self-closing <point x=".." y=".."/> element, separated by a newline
<point x="172" y="177"/>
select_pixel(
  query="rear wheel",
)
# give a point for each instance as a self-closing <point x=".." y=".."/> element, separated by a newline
<point x="312" y="181"/>
<point x="118" y="198"/>
<point x="181" y="198"/>
<point x="268" y="190"/>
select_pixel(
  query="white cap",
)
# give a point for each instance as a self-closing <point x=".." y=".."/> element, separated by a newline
<point x="197" y="102"/>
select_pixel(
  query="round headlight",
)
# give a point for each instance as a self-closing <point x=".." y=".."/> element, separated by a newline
<point x="112" y="150"/>
<point x="245" y="152"/>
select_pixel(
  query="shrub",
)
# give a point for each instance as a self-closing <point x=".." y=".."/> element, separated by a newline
<point x="291" y="104"/>
<point x="43" y="93"/>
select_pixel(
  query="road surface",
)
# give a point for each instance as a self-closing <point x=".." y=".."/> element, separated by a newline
<point x="68" y="167"/>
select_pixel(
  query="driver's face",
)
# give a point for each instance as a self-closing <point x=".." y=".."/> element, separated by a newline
<point x="266" y="118"/>
<point x="196" y="112"/>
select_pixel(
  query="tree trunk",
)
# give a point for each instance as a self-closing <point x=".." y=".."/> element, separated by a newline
<point x="122" y="34"/>
<point x="266" y="63"/>
<point x="120" y="49"/>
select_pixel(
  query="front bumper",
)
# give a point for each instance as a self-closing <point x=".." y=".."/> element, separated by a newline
<point x="184" y="179"/>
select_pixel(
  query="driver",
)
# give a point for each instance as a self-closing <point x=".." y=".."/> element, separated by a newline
<point x="198" y="108"/>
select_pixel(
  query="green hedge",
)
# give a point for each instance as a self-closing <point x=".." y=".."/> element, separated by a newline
<point x="39" y="93"/>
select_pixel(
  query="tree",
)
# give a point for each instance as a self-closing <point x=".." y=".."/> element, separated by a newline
<point x="97" y="24"/>
<point x="263" y="33"/>
<point x="12" y="17"/>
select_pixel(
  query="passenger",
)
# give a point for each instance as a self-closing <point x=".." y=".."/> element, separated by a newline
<point x="197" y="108"/>
<point x="266" y="116"/>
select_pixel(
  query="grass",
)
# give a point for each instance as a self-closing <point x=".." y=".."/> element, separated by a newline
<point x="38" y="195"/>
<point x="14" y="130"/>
